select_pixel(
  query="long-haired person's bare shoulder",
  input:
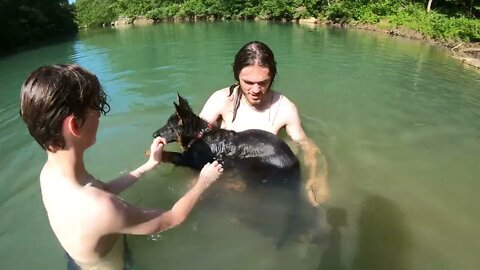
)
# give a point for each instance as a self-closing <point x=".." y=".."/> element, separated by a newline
<point x="253" y="104"/>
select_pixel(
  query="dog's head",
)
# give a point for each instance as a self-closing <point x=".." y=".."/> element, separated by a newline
<point x="181" y="125"/>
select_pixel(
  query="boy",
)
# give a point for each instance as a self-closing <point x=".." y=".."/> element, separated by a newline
<point x="61" y="105"/>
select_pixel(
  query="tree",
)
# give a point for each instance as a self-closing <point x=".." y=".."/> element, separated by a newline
<point x="429" y="4"/>
<point x="28" y="21"/>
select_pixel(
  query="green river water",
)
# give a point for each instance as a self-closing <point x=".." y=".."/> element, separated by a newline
<point x="397" y="120"/>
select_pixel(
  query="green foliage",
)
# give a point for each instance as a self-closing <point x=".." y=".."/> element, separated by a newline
<point x="250" y="10"/>
<point x="414" y="16"/>
<point x="164" y="12"/>
<point x="436" y="25"/>
<point x="457" y="8"/>
<point x="340" y="12"/>
<point x="314" y="7"/>
<point x="95" y="12"/>
<point x="276" y="10"/>
<point x="201" y="8"/>
<point x="28" y="21"/>
<point x="367" y="11"/>
<point x="132" y="8"/>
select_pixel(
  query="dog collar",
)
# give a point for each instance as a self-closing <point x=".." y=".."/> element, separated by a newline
<point x="207" y="129"/>
<point x="200" y="134"/>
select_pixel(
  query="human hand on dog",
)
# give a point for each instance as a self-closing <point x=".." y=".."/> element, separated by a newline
<point x="210" y="173"/>
<point x="156" y="150"/>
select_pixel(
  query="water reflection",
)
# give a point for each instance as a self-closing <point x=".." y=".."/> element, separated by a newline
<point x="270" y="211"/>
<point x="383" y="237"/>
<point x="331" y="258"/>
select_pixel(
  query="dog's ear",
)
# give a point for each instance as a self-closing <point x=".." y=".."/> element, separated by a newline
<point x="178" y="108"/>
<point x="179" y="112"/>
<point x="180" y="99"/>
<point x="182" y="111"/>
<point x="182" y="107"/>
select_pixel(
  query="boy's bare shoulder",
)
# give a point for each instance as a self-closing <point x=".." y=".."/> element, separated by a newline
<point x="101" y="200"/>
<point x="102" y="208"/>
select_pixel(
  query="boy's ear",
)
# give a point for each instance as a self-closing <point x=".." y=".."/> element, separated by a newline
<point x="71" y="125"/>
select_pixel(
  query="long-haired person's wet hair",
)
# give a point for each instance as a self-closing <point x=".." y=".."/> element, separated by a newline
<point x="252" y="53"/>
<point x="52" y="93"/>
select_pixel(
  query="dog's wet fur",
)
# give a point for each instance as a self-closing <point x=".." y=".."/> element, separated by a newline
<point x="265" y="169"/>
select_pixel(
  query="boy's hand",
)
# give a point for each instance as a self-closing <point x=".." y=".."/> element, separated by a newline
<point x="210" y="173"/>
<point x="156" y="150"/>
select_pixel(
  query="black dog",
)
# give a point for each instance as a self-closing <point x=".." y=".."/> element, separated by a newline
<point x="265" y="165"/>
<point x="258" y="156"/>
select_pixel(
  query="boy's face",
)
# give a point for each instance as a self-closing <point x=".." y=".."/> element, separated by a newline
<point x="90" y="127"/>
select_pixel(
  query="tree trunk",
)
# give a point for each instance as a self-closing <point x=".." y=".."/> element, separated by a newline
<point x="471" y="9"/>
<point x="429" y="5"/>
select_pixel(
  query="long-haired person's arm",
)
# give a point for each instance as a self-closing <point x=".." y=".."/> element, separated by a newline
<point x="316" y="186"/>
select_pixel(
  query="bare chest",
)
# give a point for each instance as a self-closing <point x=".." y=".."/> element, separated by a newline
<point x="249" y="118"/>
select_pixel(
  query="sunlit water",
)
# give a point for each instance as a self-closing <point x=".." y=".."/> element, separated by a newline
<point x="397" y="120"/>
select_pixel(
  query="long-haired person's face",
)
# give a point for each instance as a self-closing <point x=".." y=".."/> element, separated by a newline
<point x="255" y="83"/>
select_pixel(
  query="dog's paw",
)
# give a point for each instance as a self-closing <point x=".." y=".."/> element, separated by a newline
<point x="219" y="159"/>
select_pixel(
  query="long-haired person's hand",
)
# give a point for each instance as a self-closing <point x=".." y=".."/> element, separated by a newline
<point x="210" y="173"/>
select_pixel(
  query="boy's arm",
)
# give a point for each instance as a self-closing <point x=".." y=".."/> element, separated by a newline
<point x="118" y="216"/>
<point x="117" y="185"/>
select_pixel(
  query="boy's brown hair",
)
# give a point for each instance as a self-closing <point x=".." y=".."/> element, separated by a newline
<point x="52" y="93"/>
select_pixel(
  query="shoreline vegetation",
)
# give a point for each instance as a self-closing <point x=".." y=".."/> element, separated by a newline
<point x="453" y="24"/>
